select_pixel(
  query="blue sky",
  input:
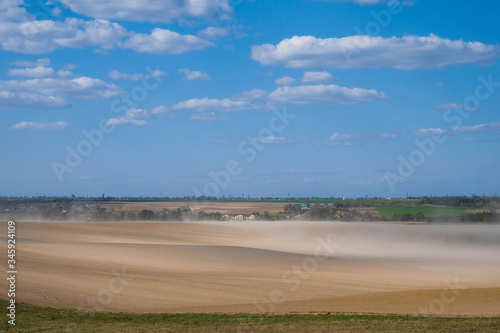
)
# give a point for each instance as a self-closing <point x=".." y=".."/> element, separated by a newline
<point x="341" y="98"/>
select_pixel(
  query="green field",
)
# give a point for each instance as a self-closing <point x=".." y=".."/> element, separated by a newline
<point x="428" y="210"/>
<point x="31" y="318"/>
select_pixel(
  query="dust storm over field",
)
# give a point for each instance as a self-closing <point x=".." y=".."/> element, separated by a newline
<point x="260" y="267"/>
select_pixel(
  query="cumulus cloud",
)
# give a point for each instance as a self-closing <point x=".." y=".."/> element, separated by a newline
<point x="100" y="33"/>
<point x="10" y="11"/>
<point x="149" y="10"/>
<point x="257" y="99"/>
<point x="251" y="95"/>
<point x="40" y="72"/>
<point x="163" y="41"/>
<point x="324" y="94"/>
<point x="214" y="32"/>
<point x="317" y="77"/>
<point x="46" y="36"/>
<point x="44" y="62"/>
<point x="48" y="88"/>
<point x="116" y="75"/>
<point x="207" y="104"/>
<point x="27" y="125"/>
<point x="207" y="116"/>
<point x="285" y="81"/>
<point x="82" y="87"/>
<point x="408" y="52"/>
<point x="190" y="75"/>
<point x="30" y="100"/>
<point x="122" y="121"/>
<point x="28" y="35"/>
<point x="137" y="117"/>
<point x="244" y="101"/>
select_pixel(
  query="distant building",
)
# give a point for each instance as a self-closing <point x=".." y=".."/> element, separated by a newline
<point x="249" y="217"/>
<point x="239" y="217"/>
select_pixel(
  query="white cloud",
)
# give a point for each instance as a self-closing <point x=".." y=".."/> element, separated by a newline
<point x="56" y="126"/>
<point x="82" y="87"/>
<point x="214" y="32"/>
<point x="158" y="73"/>
<point x="317" y="77"/>
<point x="26" y="63"/>
<point x="100" y="33"/>
<point x="47" y="36"/>
<point x="10" y="11"/>
<point x="208" y="104"/>
<point x="30" y="100"/>
<point x="450" y="106"/>
<point x="251" y="95"/>
<point x="258" y="99"/>
<point x="40" y="72"/>
<point x="56" y="11"/>
<point x="352" y="137"/>
<point x="324" y="94"/>
<point x="385" y="136"/>
<point x="190" y="75"/>
<point x="340" y="137"/>
<point x="207" y="116"/>
<point x="162" y="41"/>
<point x="122" y="121"/>
<point x="490" y="128"/>
<point x="285" y="81"/>
<point x="430" y="131"/>
<point x="116" y="75"/>
<point x="70" y="66"/>
<point x="279" y="140"/>
<point x="137" y="117"/>
<point x="149" y="10"/>
<point x="160" y="110"/>
<point x="28" y="35"/>
<point x="408" y="52"/>
<point x="46" y="92"/>
<point x="244" y="101"/>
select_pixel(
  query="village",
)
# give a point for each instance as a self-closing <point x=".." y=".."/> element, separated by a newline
<point x="84" y="210"/>
<point x="427" y="209"/>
